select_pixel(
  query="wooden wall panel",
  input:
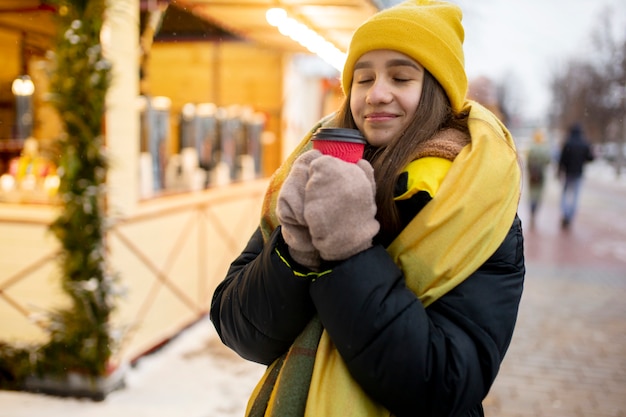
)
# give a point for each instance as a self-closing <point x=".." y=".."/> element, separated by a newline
<point x="170" y="257"/>
<point x="227" y="73"/>
<point x="9" y="68"/>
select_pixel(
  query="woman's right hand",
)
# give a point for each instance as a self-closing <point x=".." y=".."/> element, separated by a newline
<point x="290" y="212"/>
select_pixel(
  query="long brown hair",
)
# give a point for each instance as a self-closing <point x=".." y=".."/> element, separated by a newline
<point x="433" y="114"/>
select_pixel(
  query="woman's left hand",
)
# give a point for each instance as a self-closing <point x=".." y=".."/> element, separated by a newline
<point x="340" y="207"/>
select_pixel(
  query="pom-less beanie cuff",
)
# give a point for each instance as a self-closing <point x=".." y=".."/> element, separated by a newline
<point x="428" y="31"/>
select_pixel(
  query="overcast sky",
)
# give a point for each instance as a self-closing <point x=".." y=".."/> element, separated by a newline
<point x="525" y="40"/>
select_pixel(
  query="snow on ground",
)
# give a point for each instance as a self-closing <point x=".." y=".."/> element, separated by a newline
<point x="602" y="170"/>
<point x="192" y="376"/>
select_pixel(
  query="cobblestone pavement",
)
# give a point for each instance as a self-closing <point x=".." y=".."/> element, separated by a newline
<point x="568" y="354"/>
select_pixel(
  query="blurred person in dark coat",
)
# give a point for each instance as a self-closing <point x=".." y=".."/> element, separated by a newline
<point x="575" y="153"/>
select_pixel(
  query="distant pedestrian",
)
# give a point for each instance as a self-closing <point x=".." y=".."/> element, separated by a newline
<point x="537" y="159"/>
<point x="576" y="152"/>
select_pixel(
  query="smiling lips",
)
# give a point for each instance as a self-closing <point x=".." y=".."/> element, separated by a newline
<point x="379" y="117"/>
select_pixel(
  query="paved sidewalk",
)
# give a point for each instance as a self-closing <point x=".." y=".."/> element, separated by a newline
<point x="568" y="354"/>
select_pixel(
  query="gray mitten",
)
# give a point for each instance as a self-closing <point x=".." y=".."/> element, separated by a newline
<point x="290" y="212"/>
<point x="340" y="207"/>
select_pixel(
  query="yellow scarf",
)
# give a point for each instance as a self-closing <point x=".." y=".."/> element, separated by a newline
<point x="455" y="233"/>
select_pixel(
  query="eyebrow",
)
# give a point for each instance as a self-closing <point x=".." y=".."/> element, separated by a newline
<point x="399" y="62"/>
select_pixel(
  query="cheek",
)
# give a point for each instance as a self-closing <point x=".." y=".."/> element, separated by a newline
<point x="412" y="103"/>
<point x="354" y="101"/>
<point x="356" y="107"/>
<point x="419" y="95"/>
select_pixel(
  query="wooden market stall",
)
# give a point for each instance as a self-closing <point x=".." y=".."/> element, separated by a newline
<point x="170" y="248"/>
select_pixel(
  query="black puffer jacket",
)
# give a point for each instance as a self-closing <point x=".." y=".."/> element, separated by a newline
<point x="416" y="361"/>
<point x="576" y="152"/>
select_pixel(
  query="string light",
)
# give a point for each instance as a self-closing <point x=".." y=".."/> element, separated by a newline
<point x="306" y="37"/>
<point x="23" y="86"/>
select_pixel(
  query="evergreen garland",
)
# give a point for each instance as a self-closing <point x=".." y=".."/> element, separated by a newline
<point x="80" y="336"/>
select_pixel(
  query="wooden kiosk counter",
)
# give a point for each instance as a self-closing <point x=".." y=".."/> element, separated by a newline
<point x="170" y="255"/>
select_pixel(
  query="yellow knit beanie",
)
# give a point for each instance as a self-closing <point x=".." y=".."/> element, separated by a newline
<point x="429" y="31"/>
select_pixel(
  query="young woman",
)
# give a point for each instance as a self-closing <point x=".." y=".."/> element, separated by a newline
<point x="390" y="286"/>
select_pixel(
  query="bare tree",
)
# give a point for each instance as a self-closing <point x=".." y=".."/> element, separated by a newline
<point x="509" y="92"/>
<point x="592" y="89"/>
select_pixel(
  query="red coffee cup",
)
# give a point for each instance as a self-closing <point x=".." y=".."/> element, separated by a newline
<point x="345" y="144"/>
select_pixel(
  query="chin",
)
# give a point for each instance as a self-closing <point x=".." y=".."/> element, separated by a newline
<point x="377" y="141"/>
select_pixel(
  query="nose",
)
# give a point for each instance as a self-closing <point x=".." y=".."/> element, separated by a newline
<point x="379" y="92"/>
